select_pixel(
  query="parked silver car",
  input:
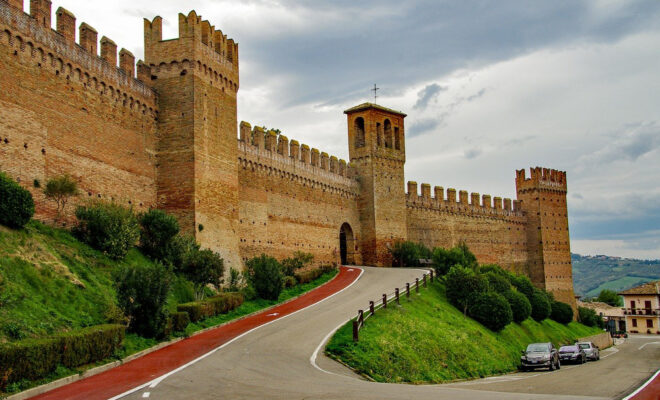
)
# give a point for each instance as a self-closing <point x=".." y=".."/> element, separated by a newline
<point x="590" y="349"/>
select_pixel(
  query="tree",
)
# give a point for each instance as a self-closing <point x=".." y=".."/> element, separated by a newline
<point x="561" y="312"/>
<point x="610" y="297"/>
<point x="497" y="283"/>
<point x="463" y="285"/>
<point x="60" y="189"/>
<point x="520" y="305"/>
<point x="157" y="231"/>
<point x="107" y="227"/>
<point x="541" y="308"/>
<point x="588" y="317"/>
<point x="524" y="285"/>
<point x="141" y="294"/>
<point x="444" y="259"/>
<point x="203" y="267"/>
<point x="407" y="254"/>
<point x="16" y="203"/>
<point x="265" y="275"/>
<point x="492" y="311"/>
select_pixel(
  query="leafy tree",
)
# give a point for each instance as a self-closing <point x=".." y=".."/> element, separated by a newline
<point x="524" y="285"/>
<point x="520" y="305"/>
<point x="299" y="260"/>
<point x="180" y="247"/>
<point x="541" y="308"/>
<point x="157" y="232"/>
<point x="497" y="283"/>
<point x="60" y="189"/>
<point x="407" y="254"/>
<point x="265" y="275"/>
<point x="561" y="312"/>
<point x="492" y="311"/>
<point x="588" y="317"/>
<point x="16" y="203"/>
<point x="463" y="285"/>
<point x="203" y="267"/>
<point x="107" y="227"/>
<point x="495" y="269"/>
<point x="444" y="259"/>
<point x="142" y="293"/>
<point x="610" y="297"/>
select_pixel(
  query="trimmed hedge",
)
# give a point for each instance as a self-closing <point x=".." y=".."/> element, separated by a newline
<point x="520" y="305"/>
<point x="541" y="308"/>
<point x="492" y="310"/>
<point x="179" y="320"/>
<point x="197" y="310"/>
<point x="561" y="312"/>
<point x="308" y="275"/>
<point x="33" y="359"/>
<point x="220" y="304"/>
<point x="17" y="205"/>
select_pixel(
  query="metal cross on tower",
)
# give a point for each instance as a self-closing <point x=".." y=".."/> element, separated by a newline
<point x="375" y="90"/>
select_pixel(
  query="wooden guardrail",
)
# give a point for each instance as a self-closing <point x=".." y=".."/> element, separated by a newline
<point x="358" y="322"/>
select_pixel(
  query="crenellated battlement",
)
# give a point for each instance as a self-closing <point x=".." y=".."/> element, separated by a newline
<point x="57" y="50"/>
<point x="541" y="178"/>
<point x="468" y="203"/>
<point x="279" y="147"/>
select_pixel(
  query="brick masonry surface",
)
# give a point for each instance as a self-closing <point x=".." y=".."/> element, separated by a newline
<point x="163" y="133"/>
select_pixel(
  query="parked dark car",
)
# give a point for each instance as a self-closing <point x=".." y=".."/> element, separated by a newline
<point x="572" y="354"/>
<point x="540" y="355"/>
<point x="591" y="350"/>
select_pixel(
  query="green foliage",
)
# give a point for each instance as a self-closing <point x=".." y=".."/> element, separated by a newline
<point x="592" y="274"/>
<point x="298" y="261"/>
<point x="157" y="232"/>
<point x="308" y="275"/>
<point x="107" y="227"/>
<point x="180" y="321"/>
<point x="60" y="189"/>
<point x="520" y="305"/>
<point x="180" y="247"/>
<point x="496" y="269"/>
<point x="524" y="285"/>
<point x="561" y="312"/>
<point x="197" y="310"/>
<point x="265" y="274"/>
<point x="142" y="293"/>
<point x="219" y="304"/>
<point x="497" y="283"/>
<point x="464" y="286"/>
<point x="589" y="317"/>
<point x="35" y="358"/>
<point x="540" y="305"/>
<point x="235" y="280"/>
<point x="290" y="281"/>
<point x="610" y="297"/>
<point x="445" y="259"/>
<point x="492" y="310"/>
<point x="203" y="267"/>
<point x="16" y="204"/>
<point x="407" y="254"/>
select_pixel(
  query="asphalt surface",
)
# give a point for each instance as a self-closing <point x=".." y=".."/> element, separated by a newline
<point x="276" y="362"/>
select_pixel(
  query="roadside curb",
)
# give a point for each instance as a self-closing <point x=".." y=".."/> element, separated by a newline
<point x="35" y="391"/>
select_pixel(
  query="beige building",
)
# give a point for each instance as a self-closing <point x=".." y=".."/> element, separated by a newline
<point x="608" y="312"/>
<point x="642" y="308"/>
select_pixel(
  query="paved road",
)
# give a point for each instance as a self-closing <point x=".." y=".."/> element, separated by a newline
<point x="273" y="362"/>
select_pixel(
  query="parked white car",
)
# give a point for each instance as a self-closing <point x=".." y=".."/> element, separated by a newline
<point x="590" y="349"/>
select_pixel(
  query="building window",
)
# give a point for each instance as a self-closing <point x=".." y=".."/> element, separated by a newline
<point x="359" y="132"/>
<point x="388" y="134"/>
<point x="649" y="323"/>
<point x="634" y="322"/>
<point x="397" y="139"/>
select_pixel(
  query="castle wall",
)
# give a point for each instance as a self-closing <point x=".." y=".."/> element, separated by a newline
<point x="494" y="233"/>
<point x="65" y="110"/>
<point x="288" y="205"/>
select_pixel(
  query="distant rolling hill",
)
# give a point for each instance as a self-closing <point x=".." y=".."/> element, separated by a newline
<point x="591" y="274"/>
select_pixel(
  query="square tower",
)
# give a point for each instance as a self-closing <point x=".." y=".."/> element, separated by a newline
<point x="376" y="143"/>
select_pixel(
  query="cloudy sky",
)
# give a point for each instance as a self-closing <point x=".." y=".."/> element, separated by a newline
<point x="489" y="87"/>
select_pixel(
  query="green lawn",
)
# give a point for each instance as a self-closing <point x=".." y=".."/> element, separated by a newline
<point x="427" y="340"/>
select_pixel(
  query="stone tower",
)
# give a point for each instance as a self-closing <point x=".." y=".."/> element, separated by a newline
<point x="543" y="197"/>
<point x="196" y="79"/>
<point x="376" y="144"/>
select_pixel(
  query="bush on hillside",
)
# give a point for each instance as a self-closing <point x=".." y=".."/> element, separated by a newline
<point x="524" y="285"/>
<point x="236" y="280"/>
<point x="492" y="311"/>
<point x="407" y="254"/>
<point x="157" y="231"/>
<point x="142" y="293"/>
<point x="298" y="261"/>
<point x="588" y="317"/>
<point x="203" y="267"/>
<point x="179" y="321"/>
<point x="60" y="189"/>
<point x="180" y="247"/>
<point x="16" y="204"/>
<point x="444" y="259"/>
<point x="520" y="305"/>
<point x="497" y="283"/>
<point x="561" y="312"/>
<point x="540" y="305"/>
<point x="308" y="275"/>
<point x="496" y="269"/>
<point x="265" y="274"/>
<point x="107" y="227"/>
<point x="290" y="281"/>
<point x="463" y="286"/>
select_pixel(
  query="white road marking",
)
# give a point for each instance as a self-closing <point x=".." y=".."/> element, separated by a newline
<point x="154" y="382"/>
<point x="614" y="350"/>
<point x="145" y="394"/>
<point x="646" y="344"/>
<point x="350" y="270"/>
<point x="639" y="389"/>
<point x="275" y="314"/>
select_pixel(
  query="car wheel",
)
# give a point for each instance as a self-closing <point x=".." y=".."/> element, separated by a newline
<point x="552" y="366"/>
<point x="584" y="360"/>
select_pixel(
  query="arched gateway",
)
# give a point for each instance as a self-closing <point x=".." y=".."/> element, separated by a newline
<point x="346" y="244"/>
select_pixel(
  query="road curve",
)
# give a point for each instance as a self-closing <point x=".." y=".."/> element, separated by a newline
<point x="273" y="362"/>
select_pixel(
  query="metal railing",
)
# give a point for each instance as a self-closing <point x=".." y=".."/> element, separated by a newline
<point x="358" y="322"/>
<point x="641" y="311"/>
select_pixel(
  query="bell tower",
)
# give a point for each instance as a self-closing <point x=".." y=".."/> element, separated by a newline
<point x="377" y="150"/>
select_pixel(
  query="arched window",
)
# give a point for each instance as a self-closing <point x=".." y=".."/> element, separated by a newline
<point x="379" y="134"/>
<point x="359" y="132"/>
<point x="397" y="139"/>
<point x="388" y="134"/>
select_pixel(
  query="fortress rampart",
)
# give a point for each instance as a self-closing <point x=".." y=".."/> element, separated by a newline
<point x="164" y="133"/>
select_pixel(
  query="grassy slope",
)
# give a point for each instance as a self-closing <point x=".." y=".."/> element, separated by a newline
<point x="426" y="340"/>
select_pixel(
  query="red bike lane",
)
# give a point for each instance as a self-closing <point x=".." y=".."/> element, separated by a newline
<point x="145" y="369"/>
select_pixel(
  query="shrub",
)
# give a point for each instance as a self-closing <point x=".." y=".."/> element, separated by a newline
<point x="492" y="311"/>
<point x="142" y="293"/>
<point x="235" y="280"/>
<point x="107" y="227"/>
<point x="540" y="305"/>
<point x="444" y="259"/>
<point x="589" y="317"/>
<point x="17" y="205"/>
<point x="463" y="286"/>
<point x="33" y="359"/>
<point x="498" y="283"/>
<point x="407" y="254"/>
<point x="197" y="310"/>
<point x="290" y="281"/>
<point x="180" y="247"/>
<point x="496" y="269"/>
<point x="561" y="312"/>
<point x="524" y="285"/>
<point x="60" y="189"/>
<point x="180" y="320"/>
<point x="157" y="231"/>
<point x="203" y="267"/>
<point x="520" y="305"/>
<point x="265" y="276"/>
<point x="219" y="304"/>
<point x="308" y="275"/>
<point x="299" y="260"/>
